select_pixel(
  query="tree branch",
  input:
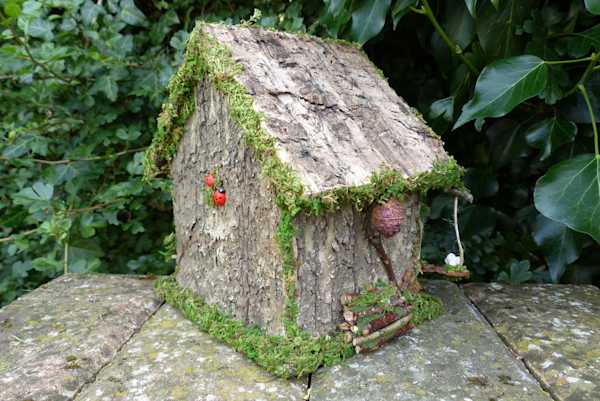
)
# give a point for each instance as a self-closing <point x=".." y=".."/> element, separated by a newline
<point x="14" y="236"/>
<point x="83" y="159"/>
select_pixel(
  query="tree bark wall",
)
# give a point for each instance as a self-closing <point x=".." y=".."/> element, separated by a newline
<point x="335" y="257"/>
<point x="227" y="255"/>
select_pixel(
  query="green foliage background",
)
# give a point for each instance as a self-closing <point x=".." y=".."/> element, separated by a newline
<point x="512" y="86"/>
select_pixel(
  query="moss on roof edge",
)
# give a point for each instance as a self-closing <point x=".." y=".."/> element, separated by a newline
<point x="204" y="58"/>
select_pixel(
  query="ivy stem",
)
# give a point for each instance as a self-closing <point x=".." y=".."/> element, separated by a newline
<point x="66" y="258"/>
<point x="578" y="60"/>
<point x="583" y="91"/>
<point x="590" y="68"/>
<point x="455" y="48"/>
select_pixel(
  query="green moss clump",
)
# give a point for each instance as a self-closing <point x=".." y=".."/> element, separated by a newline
<point x="296" y="354"/>
<point x="457" y="268"/>
<point x="425" y="306"/>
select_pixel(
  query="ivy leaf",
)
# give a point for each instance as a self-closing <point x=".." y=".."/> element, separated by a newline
<point x="507" y="141"/>
<point x="47" y="264"/>
<point x="519" y="273"/>
<point x="22" y="146"/>
<point x="21" y="269"/>
<point x="497" y="29"/>
<point x="593" y="6"/>
<point x="131" y="15"/>
<point x="62" y="173"/>
<point x="561" y="245"/>
<point x="481" y="182"/>
<point x="38" y="192"/>
<point x="12" y="8"/>
<point x="551" y="133"/>
<point x="368" y="20"/>
<point x="90" y="11"/>
<point x="459" y="25"/>
<point x="472" y="7"/>
<point x="441" y="114"/>
<point x="107" y="84"/>
<point x="570" y="194"/>
<point x="400" y="9"/>
<point x="581" y="43"/>
<point x="503" y="85"/>
<point x="37" y="28"/>
<point x="162" y="28"/>
<point x="336" y="14"/>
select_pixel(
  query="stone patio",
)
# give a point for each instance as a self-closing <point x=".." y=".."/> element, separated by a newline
<point x="107" y="337"/>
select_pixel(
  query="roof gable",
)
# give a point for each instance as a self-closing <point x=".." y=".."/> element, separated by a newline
<point x="335" y="120"/>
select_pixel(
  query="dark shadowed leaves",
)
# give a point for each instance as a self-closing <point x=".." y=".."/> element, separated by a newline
<point x="549" y="134"/>
<point x="336" y="14"/>
<point x="472" y="7"/>
<point x="368" y="19"/>
<point x="518" y="273"/>
<point x="400" y="9"/>
<point x="561" y="245"/>
<point x="507" y="141"/>
<point x="481" y="182"/>
<point x="497" y="29"/>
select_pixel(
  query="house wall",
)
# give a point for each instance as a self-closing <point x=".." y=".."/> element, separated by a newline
<point x="335" y="257"/>
<point x="227" y="255"/>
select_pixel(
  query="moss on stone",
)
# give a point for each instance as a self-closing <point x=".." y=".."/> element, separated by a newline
<point x="295" y="354"/>
<point x="425" y="306"/>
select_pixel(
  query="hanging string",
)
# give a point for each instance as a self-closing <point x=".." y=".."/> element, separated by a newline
<point x="457" y="233"/>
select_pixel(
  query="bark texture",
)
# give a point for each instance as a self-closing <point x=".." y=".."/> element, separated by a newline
<point x="227" y="255"/>
<point x="335" y="119"/>
<point x="335" y="257"/>
<point x="336" y="122"/>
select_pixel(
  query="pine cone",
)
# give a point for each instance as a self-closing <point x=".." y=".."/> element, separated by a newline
<point x="387" y="218"/>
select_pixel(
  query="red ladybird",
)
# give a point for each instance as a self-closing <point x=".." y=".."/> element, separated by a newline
<point x="220" y="197"/>
<point x="209" y="180"/>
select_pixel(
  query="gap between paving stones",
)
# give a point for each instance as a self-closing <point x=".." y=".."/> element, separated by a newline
<point x="514" y="352"/>
<point x="133" y="334"/>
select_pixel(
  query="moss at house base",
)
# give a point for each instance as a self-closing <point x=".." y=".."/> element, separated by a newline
<point x="293" y="355"/>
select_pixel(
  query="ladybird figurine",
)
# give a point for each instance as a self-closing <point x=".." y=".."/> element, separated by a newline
<point x="220" y="197"/>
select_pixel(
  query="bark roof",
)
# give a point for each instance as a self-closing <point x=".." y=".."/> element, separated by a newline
<point x="335" y="119"/>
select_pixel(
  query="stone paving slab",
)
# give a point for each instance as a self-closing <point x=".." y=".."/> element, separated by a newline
<point x="56" y="338"/>
<point x="456" y="357"/>
<point x="172" y="360"/>
<point x="555" y="328"/>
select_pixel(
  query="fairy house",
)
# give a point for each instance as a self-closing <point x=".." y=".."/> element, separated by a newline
<point x="306" y="137"/>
